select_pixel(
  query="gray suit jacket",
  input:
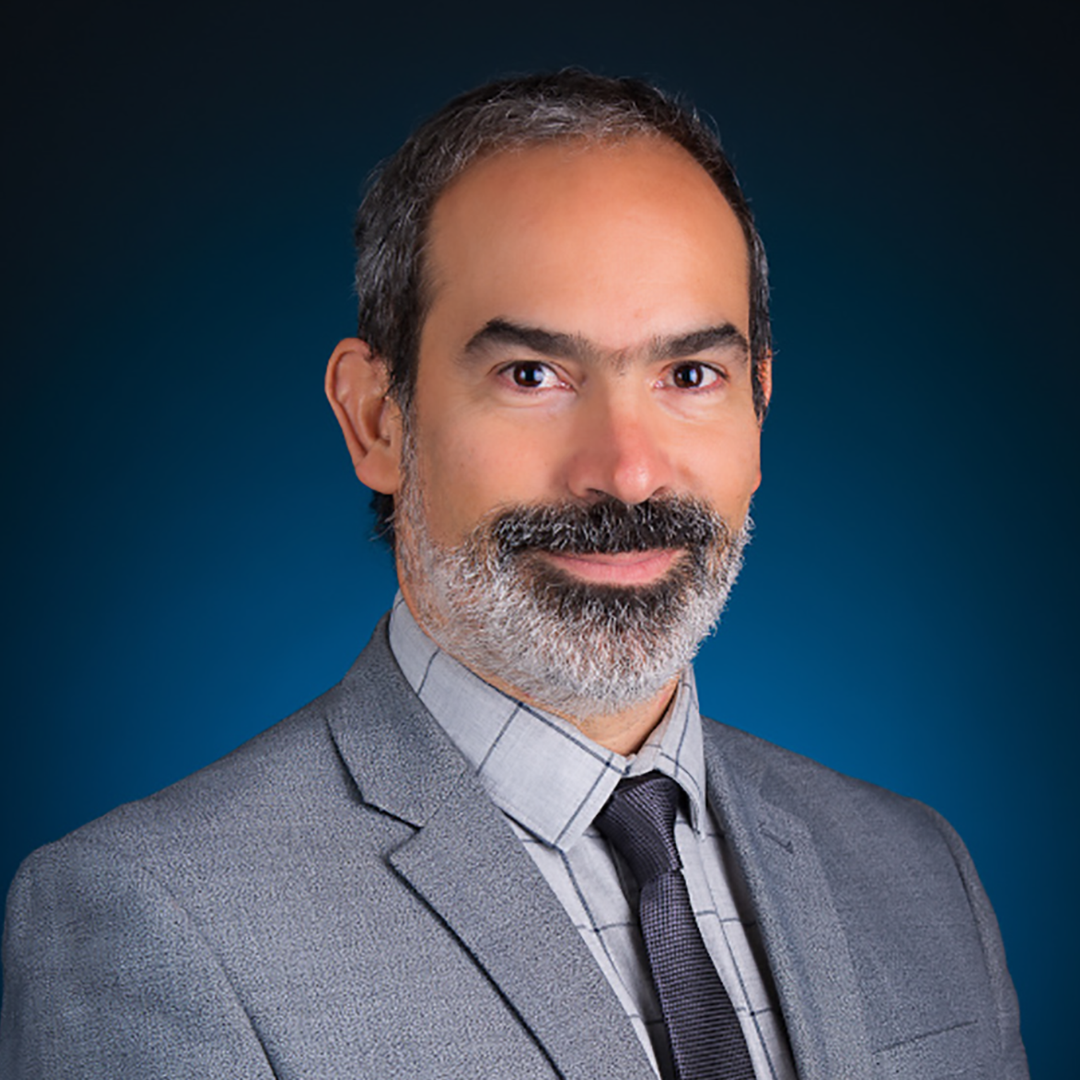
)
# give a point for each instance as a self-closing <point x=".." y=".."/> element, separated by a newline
<point x="338" y="898"/>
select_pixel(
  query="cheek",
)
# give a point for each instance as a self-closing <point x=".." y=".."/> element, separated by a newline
<point x="729" y="472"/>
<point x="469" y="468"/>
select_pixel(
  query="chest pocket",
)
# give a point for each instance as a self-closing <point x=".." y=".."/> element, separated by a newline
<point x="953" y="1054"/>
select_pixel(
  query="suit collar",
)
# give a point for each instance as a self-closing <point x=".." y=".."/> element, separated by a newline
<point x="401" y="761"/>
<point x="764" y="821"/>
<point x="466" y="863"/>
<point x="537" y="767"/>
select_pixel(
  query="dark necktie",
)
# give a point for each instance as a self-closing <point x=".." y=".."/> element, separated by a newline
<point x="706" y="1040"/>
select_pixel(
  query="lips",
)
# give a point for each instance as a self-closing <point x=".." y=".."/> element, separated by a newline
<point x="618" y="568"/>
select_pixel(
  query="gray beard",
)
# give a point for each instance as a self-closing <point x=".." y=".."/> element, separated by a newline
<point x="577" y="648"/>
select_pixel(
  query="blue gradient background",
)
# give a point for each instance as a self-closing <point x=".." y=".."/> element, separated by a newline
<point x="186" y="543"/>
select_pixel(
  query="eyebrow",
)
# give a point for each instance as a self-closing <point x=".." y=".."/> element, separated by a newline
<point x="575" y="347"/>
<point x="537" y="340"/>
<point x="724" y="336"/>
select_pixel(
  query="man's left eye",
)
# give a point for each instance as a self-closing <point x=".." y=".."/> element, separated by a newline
<point x="531" y="375"/>
<point x="693" y="376"/>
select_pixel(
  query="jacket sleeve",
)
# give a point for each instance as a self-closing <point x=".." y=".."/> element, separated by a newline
<point x="106" y="976"/>
<point x="1012" y="1055"/>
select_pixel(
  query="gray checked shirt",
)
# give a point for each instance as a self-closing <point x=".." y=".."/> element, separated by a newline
<point x="551" y="781"/>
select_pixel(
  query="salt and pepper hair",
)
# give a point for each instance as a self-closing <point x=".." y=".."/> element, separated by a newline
<point x="392" y="222"/>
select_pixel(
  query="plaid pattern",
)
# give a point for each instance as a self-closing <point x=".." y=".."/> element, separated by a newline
<point x="551" y="782"/>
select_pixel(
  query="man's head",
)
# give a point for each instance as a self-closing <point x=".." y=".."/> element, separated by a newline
<point x="565" y="401"/>
<point x="391" y="232"/>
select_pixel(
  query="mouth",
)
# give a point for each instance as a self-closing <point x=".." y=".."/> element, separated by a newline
<point x="623" y="569"/>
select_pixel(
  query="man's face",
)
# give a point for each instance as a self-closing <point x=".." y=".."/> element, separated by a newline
<point x="586" y="346"/>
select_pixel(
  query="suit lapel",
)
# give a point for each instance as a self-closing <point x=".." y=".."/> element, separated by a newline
<point x="802" y="933"/>
<point x="467" y="864"/>
<point x="504" y="913"/>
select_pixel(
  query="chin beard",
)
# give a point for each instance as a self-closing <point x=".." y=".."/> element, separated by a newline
<point x="578" y="648"/>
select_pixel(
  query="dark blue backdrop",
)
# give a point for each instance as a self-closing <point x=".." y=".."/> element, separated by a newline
<point x="187" y="546"/>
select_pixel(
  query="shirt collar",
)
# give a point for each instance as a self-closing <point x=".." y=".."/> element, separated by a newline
<point x="537" y="767"/>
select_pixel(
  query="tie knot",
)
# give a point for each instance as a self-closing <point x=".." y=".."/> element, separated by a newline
<point x="639" y="822"/>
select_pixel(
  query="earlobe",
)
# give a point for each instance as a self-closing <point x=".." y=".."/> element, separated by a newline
<point x="357" y="383"/>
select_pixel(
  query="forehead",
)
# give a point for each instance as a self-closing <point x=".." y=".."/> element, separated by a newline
<point x="610" y="240"/>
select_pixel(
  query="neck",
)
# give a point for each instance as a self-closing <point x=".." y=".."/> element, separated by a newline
<point x="623" y="732"/>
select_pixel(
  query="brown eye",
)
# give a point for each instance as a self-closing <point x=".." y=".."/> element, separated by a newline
<point x="692" y="376"/>
<point x="528" y="375"/>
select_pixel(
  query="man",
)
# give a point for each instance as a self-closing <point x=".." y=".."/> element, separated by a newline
<point x="450" y="864"/>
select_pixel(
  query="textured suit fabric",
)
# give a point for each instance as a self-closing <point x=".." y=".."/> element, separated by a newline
<point x="339" y="898"/>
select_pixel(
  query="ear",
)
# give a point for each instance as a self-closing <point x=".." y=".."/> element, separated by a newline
<point x="357" y="382"/>
<point x="765" y="380"/>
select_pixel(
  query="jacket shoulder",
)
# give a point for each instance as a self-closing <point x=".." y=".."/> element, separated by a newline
<point x="819" y="794"/>
<point x="292" y="770"/>
<point x="917" y="925"/>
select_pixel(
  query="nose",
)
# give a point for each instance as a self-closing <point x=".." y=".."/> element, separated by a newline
<point x="617" y="449"/>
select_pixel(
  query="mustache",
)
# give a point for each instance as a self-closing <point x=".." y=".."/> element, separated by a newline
<point x="608" y="527"/>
